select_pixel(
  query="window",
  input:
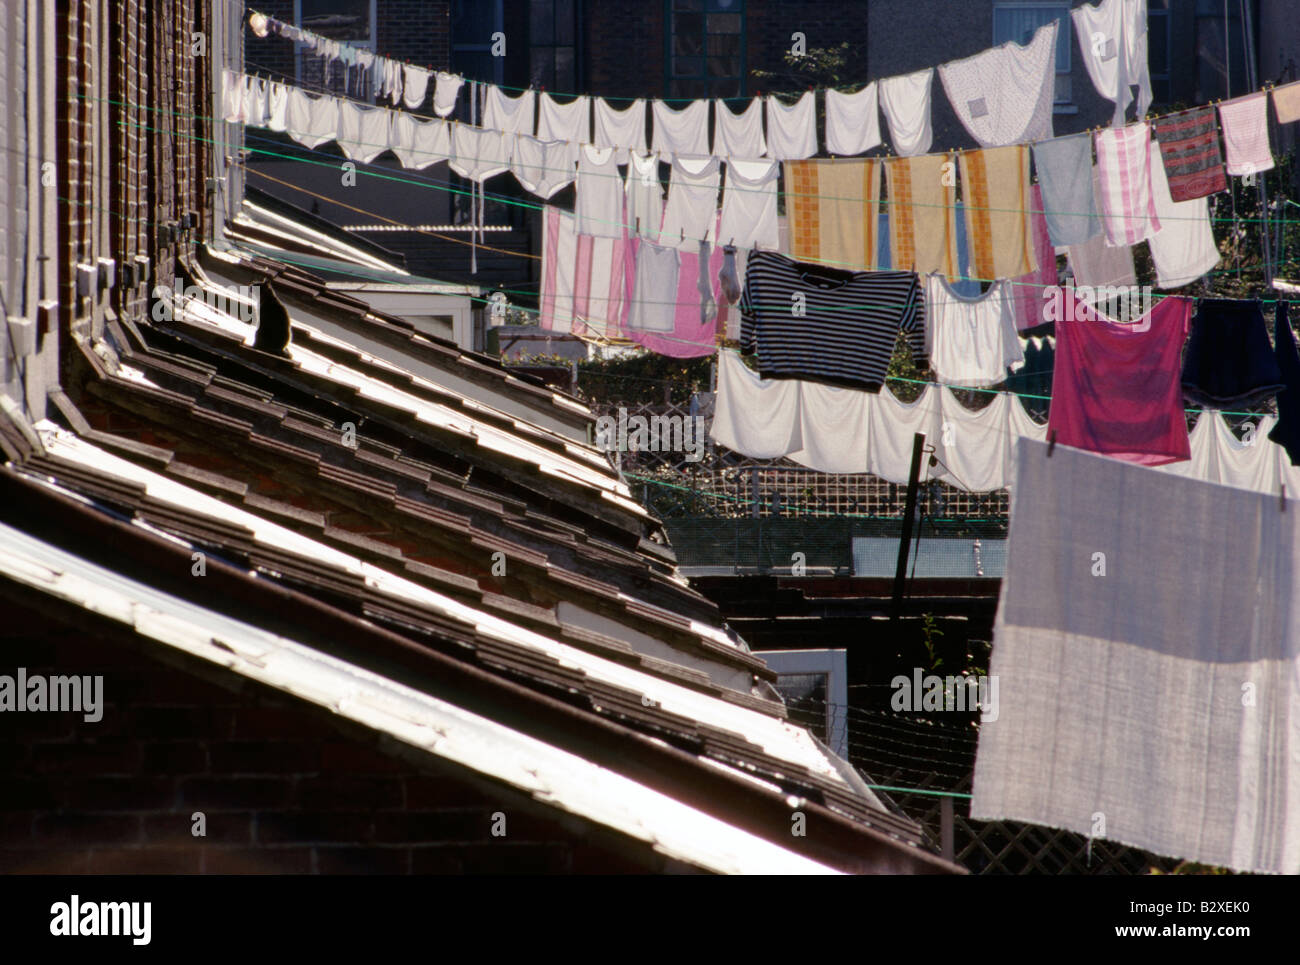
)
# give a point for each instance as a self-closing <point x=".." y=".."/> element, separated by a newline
<point x="552" y="55"/>
<point x="1158" y="51"/>
<point x="1019" y="21"/>
<point x="349" y="21"/>
<point x="815" y="686"/>
<point x="706" y="48"/>
<point x="473" y="22"/>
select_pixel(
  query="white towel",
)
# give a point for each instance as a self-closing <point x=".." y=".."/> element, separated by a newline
<point x="563" y="122"/>
<point x="645" y="196"/>
<point x="1005" y="94"/>
<point x="1113" y="40"/>
<point x="738" y="135"/>
<point x="906" y="103"/>
<point x="419" y="143"/>
<point x="852" y="121"/>
<point x="364" y="133"/>
<point x="478" y="154"/>
<point x="681" y="132"/>
<point x="445" y="88"/>
<point x="623" y="129"/>
<point x="513" y="115"/>
<point x="1184" y="248"/>
<point x="792" y="130"/>
<point x="311" y="121"/>
<point x="692" y="211"/>
<point x="415" y="84"/>
<point x="543" y="167"/>
<point x="1157" y="705"/>
<point x="599" y="206"/>
<point x="749" y="205"/>
<point x="277" y="106"/>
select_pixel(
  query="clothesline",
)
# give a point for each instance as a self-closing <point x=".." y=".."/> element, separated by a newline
<point x="425" y="183"/>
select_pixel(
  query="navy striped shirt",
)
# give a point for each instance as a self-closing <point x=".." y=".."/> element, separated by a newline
<point x="825" y="325"/>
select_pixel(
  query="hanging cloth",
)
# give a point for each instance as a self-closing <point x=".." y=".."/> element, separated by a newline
<point x="513" y="115"/>
<point x="738" y="135"/>
<point x="681" y="132"/>
<point x="792" y="128"/>
<point x="852" y="121"/>
<point x="833" y="208"/>
<point x="1113" y="40"/>
<point x="1005" y="94"/>
<point x="623" y="129"/>
<point x="563" y="122"/>
<point x="906" y="103"/>
<point x="922" y="223"/>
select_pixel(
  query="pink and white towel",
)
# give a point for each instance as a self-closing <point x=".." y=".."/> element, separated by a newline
<point x="1245" y="134"/>
<point x="1128" y="210"/>
<point x="584" y="289"/>
<point x="1027" y="290"/>
<point x="695" y="326"/>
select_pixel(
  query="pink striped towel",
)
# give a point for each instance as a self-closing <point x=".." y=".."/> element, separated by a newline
<point x="1128" y="209"/>
<point x="1245" y="133"/>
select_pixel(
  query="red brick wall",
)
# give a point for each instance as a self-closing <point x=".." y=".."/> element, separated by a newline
<point x="285" y="787"/>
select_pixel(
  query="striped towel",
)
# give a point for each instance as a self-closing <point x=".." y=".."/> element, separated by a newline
<point x="1128" y="211"/>
<point x="922" y="226"/>
<point x="1245" y="134"/>
<point x="584" y="288"/>
<point x="1189" y="143"/>
<point x="995" y="189"/>
<point x="834" y="211"/>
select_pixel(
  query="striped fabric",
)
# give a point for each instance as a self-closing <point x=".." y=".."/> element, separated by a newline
<point x="834" y="211"/>
<point x="1128" y="210"/>
<point x="584" y="288"/>
<point x="995" y="189"/>
<point x="1189" y="144"/>
<point x="1245" y="134"/>
<point x="922" y="225"/>
<point x="809" y="322"/>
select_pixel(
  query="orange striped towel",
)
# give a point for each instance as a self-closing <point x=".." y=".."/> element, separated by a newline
<point x="833" y="209"/>
<point x="995" y="191"/>
<point x="922" y="225"/>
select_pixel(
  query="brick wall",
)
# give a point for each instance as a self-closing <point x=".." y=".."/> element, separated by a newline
<point x="285" y="787"/>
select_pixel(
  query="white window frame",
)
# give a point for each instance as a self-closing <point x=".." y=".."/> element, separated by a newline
<point x="834" y="664"/>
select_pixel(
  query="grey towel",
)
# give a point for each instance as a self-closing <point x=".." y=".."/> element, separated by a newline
<point x="1158" y="704"/>
<point x="1064" y="166"/>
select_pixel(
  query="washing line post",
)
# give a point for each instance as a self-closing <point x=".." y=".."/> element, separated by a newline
<point x="946" y="828"/>
<point x="909" y="513"/>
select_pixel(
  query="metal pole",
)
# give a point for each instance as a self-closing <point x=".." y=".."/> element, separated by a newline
<point x="946" y="828"/>
<point x="1266" y="243"/>
<point x="909" y="513"/>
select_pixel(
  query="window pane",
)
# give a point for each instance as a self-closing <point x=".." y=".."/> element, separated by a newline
<point x="724" y="23"/>
<point x="688" y="4"/>
<point x="728" y="44"/>
<point x="564" y="22"/>
<point x="724" y="86"/>
<point x="566" y="76"/>
<point x="541" y="21"/>
<point x="1158" y="43"/>
<point x="687" y="45"/>
<point x="688" y="66"/>
<point x="724" y="66"/>
<point x="338" y="19"/>
<point x="541" y="68"/>
<point x="689" y="25"/>
<point x="727" y="5"/>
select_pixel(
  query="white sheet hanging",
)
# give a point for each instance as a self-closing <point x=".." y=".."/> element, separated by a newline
<point x="792" y="129"/>
<point x="738" y="135"/>
<point x="1113" y="41"/>
<point x="684" y="131"/>
<point x="364" y="133"/>
<point x="1005" y="94"/>
<point x="563" y="122"/>
<point x="852" y="121"/>
<point x="513" y="115"/>
<point x="478" y="154"/>
<point x="311" y="121"/>
<point x="622" y="129"/>
<point x="415" y="84"/>
<point x="906" y="103"/>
